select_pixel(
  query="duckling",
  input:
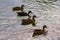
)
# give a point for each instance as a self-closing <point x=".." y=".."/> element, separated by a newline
<point x="29" y="21"/>
<point x="24" y="13"/>
<point x="37" y="32"/>
<point x="18" y="8"/>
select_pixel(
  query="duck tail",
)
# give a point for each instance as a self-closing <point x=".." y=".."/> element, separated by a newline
<point x="33" y="35"/>
<point x="33" y="24"/>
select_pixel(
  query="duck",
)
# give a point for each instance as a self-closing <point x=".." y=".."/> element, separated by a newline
<point x="29" y="21"/>
<point x="17" y="8"/>
<point x="37" y="32"/>
<point x="24" y="13"/>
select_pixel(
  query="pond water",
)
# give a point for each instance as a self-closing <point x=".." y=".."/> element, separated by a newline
<point x="47" y="12"/>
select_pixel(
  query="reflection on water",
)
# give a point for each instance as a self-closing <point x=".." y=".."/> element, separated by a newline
<point x="47" y="11"/>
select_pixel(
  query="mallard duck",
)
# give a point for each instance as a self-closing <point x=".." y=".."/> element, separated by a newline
<point x="24" y="13"/>
<point x="17" y="8"/>
<point x="37" y="32"/>
<point x="29" y="21"/>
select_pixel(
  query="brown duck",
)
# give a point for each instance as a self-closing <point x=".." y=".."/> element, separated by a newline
<point x="17" y="8"/>
<point x="37" y="32"/>
<point x="29" y="21"/>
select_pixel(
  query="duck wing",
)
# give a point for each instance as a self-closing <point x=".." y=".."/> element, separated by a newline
<point x="16" y="8"/>
<point x="38" y="32"/>
<point x="26" y="20"/>
<point x="22" y="13"/>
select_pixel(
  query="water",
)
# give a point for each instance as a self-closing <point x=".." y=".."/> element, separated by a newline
<point x="47" y="13"/>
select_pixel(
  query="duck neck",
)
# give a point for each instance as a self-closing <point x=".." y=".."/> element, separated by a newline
<point x="43" y="29"/>
<point x="33" y="18"/>
<point x="29" y="16"/>
<point x="22" y="7"/>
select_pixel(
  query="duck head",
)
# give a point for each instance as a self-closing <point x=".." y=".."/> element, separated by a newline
<point x="22" y="6"/>
<point x="29" y="12"/>
<point x="34" y="16"/>
<point x="44" y="27"/>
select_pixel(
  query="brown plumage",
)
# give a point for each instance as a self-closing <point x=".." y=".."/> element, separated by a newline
<point x="17" y="8"/>
<point x="37" y="32"/>
<point x="29" y="21"/>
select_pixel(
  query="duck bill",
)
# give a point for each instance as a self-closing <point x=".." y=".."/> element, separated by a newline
<point x="32" y="13"/>
<point x="36" y="17"/>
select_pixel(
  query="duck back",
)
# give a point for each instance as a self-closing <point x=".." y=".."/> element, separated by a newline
<point x="22" y="13"/>
<point x="16" y="8"/>
<point x="37" y="32"/>
<point x="26" y="21"/>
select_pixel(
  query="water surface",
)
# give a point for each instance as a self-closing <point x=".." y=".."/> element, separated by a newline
<point x="47" y="13"/>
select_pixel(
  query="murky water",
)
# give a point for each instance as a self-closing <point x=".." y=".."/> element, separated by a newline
<point x="48" y="13"/>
